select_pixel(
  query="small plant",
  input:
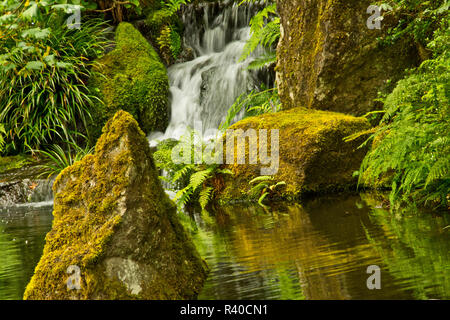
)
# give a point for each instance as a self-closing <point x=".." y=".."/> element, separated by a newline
<point x="166" y="25"/>
<point x="192" y="182"/>
<point x="170" y="40"/>
<point x="265" y="186"/>
<point x="200" y="185"/>
<point x="265" y="32"/>
<point x="57" y="159"/>
<point x="254" y="103"/>
<point x="411" y="144"/>
<point x="2" y="137"/>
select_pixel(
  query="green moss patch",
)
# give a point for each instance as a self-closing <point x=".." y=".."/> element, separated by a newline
<point x="132" y="78"/>
<point x="13" y="162"/>
<point x="313" y="158"/>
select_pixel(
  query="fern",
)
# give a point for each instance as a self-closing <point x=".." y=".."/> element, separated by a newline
<point x="263" y="61"/>
<point x="172" y="6"/>
<point x="199" y="177"/>
<point x="193" y="183"/>
<point x="264" y="30"/>
<point x="205" y="197"/>
<point x="411" y="145"/>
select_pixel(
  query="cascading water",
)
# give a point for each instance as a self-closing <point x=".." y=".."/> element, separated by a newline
<point x="203" y="89"/>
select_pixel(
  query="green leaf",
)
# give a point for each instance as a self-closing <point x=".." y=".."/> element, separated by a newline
<point x="64" y="65"/>
<point x="36" y="33"/>
<point x="32" y="12"/>
<point x="34" y="65"/>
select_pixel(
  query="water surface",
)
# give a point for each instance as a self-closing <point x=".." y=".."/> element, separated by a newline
<point x="316" y="250"/>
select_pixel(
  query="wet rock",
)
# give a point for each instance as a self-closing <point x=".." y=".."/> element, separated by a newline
<point x="25" y="190"/>
<point x="116" y="227"/>
<point x="24" y="182"/>
<point x="329" y="59"/>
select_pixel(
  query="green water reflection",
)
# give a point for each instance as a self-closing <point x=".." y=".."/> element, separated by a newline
<point x="321" y="250"/>
<point x="22" y="233"/>
<point x="317" y="250"/>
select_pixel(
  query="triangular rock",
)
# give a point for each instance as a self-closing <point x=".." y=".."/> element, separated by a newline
<point x="114" y="224"/>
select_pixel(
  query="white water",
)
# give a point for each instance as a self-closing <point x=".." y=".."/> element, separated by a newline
<point x="202" y="90"/>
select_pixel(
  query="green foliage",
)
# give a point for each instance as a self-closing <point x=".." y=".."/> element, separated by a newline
<point x="193" y="182"/>
<point x="170" y="39"/>
<point x="44" y="66"/>
<point x="172" y="6"/>
<point x="2" y="137"/>
<point x="265" y="187"/>
<point x="265" y="32"/>
<point x="417" y="19"/>
<point x="57" y="159"/>
<point x="412" y="141"/>
<point x="166" y="28"/>
<point x="13" y="162"/>
<point x="254" y="103"/>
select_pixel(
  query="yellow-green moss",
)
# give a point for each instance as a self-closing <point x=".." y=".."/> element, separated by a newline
<point x="132" y="78"/>
<point x="13" y="162"/>
<point x="313" y="155"/>
<point x="115" y="189"/>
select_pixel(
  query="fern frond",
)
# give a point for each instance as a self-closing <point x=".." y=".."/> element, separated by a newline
<point x="198" y="178"/>
<point x="205" y="197"/>
<point x="263" y="61"/>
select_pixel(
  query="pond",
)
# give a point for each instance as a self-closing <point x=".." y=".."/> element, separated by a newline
<point x="319" y="249"/>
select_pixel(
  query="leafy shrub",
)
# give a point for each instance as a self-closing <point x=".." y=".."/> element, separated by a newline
<point x="412" y="142"/>
<point x="57" y="158"/>
<point x="417" y="19"/>
<point x="166" y="27"/>
<point x="44" y="66"/>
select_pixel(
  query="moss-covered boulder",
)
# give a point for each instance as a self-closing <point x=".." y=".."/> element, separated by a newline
<point x="132" y="78"/>
<point x="113" y="220"/>
<point x="329" y="59"/>
<point x="313" y="157"/>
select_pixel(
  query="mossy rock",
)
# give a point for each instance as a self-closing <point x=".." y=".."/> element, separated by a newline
<point x="13" y="162"/>
<point x="313" y="157"/>
<point x="329" y="59"/>
<point x="114" y="221"/>
<point x="131" y="78"/>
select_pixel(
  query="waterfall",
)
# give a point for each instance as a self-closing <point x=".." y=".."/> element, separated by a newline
<point x="203" y="89"/>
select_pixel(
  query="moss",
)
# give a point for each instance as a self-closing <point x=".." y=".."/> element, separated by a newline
<point x="98" y="201"/>
<point x="313" y="158"/>
<point x="131" y="78"/>
<point x="13" y="162"/>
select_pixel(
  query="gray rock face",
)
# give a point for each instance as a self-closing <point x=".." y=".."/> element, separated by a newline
<point x="113" y="221"/>
<point x="329" y="59"/>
